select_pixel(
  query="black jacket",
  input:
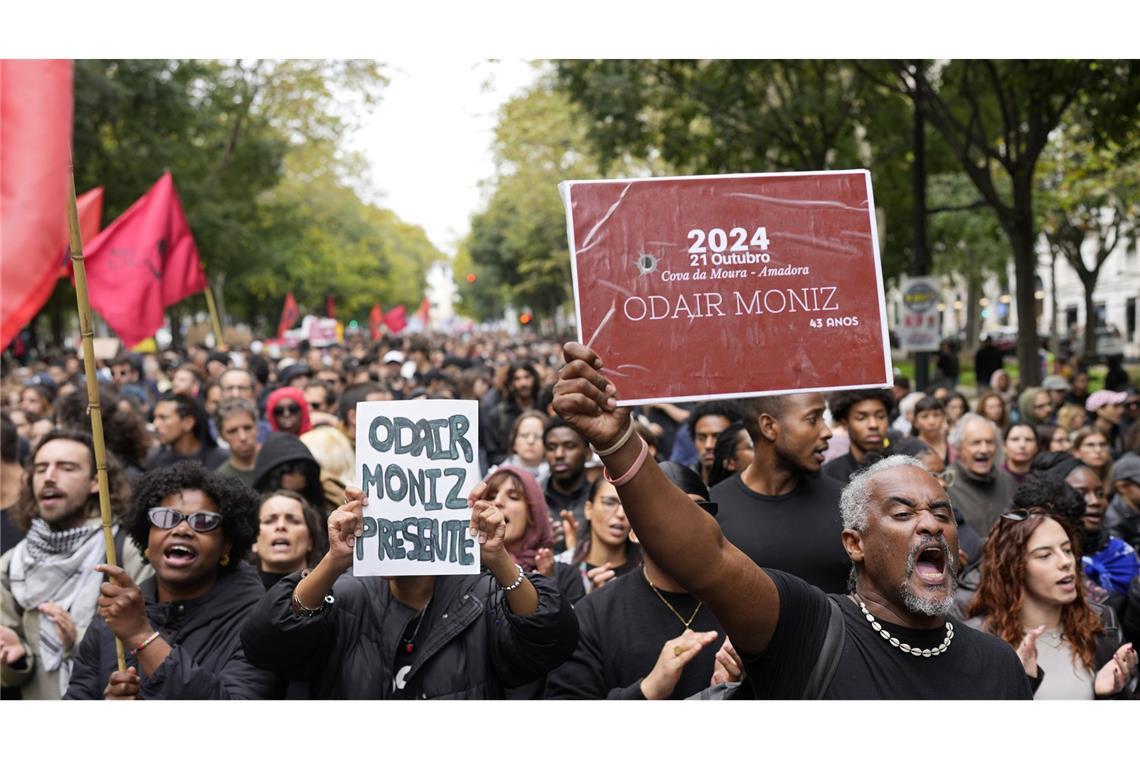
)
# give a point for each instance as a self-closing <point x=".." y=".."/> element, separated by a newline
<point x="1123" y="522"/>
<point x="206" y="659"/>
<point x="473" y="648"/>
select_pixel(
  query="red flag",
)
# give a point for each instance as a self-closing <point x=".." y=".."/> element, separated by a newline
<point x="35" y="142"/>
<point x="330" y="307"/>
<point x="143" y="262"/>
<point x="396" y="319"/>
<point x="289" y="315"/>
<point x="375" y="319"/>
<point x="424" y="312"/>
<point x="90" y="207"/>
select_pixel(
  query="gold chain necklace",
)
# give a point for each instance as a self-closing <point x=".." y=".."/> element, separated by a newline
<point x="665" y="601"/>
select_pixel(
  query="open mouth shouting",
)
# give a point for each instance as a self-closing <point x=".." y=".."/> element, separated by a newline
<point x="179" y="554"/>
<point x="930" y="565"/>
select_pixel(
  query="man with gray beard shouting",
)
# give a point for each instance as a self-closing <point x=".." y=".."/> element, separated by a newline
<point x="898" y="530"/>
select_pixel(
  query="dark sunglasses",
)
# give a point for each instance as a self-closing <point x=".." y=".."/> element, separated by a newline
<point x="1017" y="515"/>
<point x="167" y="518"/>
<point x="284" y="410"/>
<point x="708" y="506"/>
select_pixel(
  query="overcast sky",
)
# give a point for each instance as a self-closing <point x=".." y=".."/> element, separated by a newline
<point x="429" y="140"/>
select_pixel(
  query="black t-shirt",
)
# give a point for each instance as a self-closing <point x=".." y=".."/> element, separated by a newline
<point x="798" y="532"/>
<point x="841" y="468"/>
<point x="621" y="629"/>
<point x="976" y="665"/>
<point x="417" y="632"/>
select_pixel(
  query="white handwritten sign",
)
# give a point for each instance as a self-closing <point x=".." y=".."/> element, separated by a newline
<point x="417" y="461"/>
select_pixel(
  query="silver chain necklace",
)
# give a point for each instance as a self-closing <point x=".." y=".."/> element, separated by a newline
<point x="907" y="648"/>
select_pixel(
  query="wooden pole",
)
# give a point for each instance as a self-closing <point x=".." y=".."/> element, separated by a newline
<point x="213" y="312"/>
<point x="87" y="332"/>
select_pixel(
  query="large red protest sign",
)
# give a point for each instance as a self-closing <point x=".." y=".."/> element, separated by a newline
<point x="735" y="285"/>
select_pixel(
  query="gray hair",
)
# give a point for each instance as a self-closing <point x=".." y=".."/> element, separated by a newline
<point x="855" y="501"/>
<point x="908" y="402"/>
<point x="233" y="406"/>
<point x="958" y="432"/>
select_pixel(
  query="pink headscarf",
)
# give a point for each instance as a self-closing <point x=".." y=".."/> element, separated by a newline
<point x="539" y="533"/>
<point x="279" y="395"/>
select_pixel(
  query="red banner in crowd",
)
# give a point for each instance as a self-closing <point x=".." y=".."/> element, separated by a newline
<point x="375" y="319"/>
<point x="330" y="307"/>
<point x="35" y="142"/>
<point x="737" y="285"/>
<point x="289" y="315"/>
<point x="90" y="208"/>
<point x="396" y="319"/>
<point x="143" y="262"/>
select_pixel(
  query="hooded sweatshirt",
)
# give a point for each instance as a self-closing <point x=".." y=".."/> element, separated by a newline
<point x="280" y="448"/>
<point x="295" y="395"/>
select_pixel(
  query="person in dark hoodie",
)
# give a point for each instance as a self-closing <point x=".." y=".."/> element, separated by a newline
<point x="180" y="628"/>
<point x="412" y="637"/>
<point x="285" y="462"/>
<point x="1123" y="516"/>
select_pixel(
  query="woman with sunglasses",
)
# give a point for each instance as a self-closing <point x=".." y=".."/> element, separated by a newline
<point x="412" y="637"/>
<point x="180" y="628"/>
<point x="1032" y="596"/>
<point x="288" y="411"/>
<point x="643" y="636"/>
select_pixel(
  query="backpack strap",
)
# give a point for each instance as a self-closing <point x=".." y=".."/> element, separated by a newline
<point x="829" y="653"/>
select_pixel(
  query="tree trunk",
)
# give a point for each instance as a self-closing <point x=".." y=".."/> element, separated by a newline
<point x="1090" y="315"/>
<point x="1021" y="236"/>
<point x="973" y="295"/>
<point x="1054" y="336"/>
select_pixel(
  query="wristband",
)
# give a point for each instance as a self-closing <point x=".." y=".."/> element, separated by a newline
<point x="633" y="470"/>
<point x="621" y="442"/>
<point x="142" y="646"/>
<point x="517" y="583"/>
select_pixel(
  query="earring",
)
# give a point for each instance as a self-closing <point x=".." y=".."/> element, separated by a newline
<point x="225" y="560"/>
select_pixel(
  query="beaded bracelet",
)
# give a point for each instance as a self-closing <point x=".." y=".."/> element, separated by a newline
<point x="142" y="646"/>
<point x="517" y="583"/>
<point x="621" y="442"/>
<point x="633" y="470"/>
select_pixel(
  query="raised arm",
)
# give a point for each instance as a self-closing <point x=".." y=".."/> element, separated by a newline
<point x="680" y="536"/>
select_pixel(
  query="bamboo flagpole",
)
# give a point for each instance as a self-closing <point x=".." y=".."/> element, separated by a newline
<point x="213" y="311"/>
<point x="87" y="332"/>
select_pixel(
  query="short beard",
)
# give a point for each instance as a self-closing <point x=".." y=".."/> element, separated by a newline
<point x="930" y="606"/>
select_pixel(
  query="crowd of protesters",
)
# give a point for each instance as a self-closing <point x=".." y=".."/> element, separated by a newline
<point x="621" y="548"/>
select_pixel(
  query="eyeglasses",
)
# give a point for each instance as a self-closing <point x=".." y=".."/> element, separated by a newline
<point x="1046" y="405"/>
<point x="286" y="410"/>
<point x="529" y="437"/>
<point x="1017" y="515"/>
<point x="166" y="518"/>
<point x="236" y="388"/>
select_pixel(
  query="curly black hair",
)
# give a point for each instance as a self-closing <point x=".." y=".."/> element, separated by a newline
<point x="1048" y="489"/>
<point x="840" y="403"/>
<point x="237" y="503"/>
<point x="727" y="408"/>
